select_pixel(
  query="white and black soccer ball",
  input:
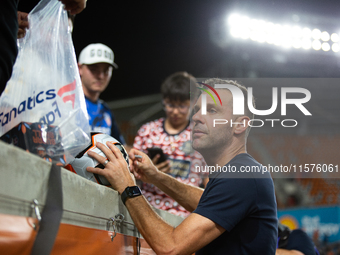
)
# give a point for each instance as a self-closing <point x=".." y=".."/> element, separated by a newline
<point x="83" y="160"/>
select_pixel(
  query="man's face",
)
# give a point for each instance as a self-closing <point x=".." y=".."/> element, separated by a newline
<point x="41" y="152"/>
<point x="96" y="77"/>
<point x="177" y="112"/>
<point x="206" y="137"/>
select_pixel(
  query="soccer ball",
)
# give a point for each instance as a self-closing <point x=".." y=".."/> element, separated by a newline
<point x="83" y="160"/>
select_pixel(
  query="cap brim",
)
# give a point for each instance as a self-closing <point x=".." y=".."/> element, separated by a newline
<point x="114" y="65"/>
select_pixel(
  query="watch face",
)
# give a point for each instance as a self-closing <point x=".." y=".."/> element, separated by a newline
<point x="134" y="191"/>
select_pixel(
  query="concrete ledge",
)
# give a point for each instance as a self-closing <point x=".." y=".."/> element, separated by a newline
<point x="24" y="177"/>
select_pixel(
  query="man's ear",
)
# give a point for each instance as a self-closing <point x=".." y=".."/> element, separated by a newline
<point x="241" y="124"/>
<point x="79" y="68"/>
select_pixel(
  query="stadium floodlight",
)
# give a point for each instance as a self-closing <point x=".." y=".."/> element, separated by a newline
<point x="306" y="44"/>
<point x="297" y="44"/>
<point x="335" y="37"/>
<point x="283" y="35"/>
<point x="325" y="47"/>
<point x="316" y="34"/>
<point x="325" y="36"/>
<point x="335" y="47"/>
<point x="306" y="32"/>
<point x="316" y="44"/>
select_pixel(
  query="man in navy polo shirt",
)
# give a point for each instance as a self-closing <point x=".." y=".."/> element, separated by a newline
<point x="96" y="62"/>
<point x="235" y="214"/>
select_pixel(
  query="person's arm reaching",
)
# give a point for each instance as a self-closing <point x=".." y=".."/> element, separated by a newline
<point x="192" y="234"/>
<point x="22" y="23"/>
<point x="186" y="195"/>
<point x="74" y="6"/>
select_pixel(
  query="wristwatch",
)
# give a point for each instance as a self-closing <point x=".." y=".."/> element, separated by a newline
<point x="133" y="191"/>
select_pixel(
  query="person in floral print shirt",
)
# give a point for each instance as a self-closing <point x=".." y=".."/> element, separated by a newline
<point x="172" y="134"/>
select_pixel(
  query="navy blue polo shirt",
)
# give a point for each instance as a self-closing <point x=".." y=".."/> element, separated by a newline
<point x="245" y="207"/>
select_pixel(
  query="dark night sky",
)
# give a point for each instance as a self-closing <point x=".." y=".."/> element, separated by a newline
<point x="152" y="39"/>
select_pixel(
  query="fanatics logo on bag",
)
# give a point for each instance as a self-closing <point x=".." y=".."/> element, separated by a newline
<point x="67" y="93"/>
<point x="68" y="88"/>
<point x="29" y="104"/>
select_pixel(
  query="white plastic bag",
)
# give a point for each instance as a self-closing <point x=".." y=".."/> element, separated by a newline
<point x="45" y="85"/>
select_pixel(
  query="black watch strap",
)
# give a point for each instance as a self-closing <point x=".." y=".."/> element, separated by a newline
<point x="133" y="191"/>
